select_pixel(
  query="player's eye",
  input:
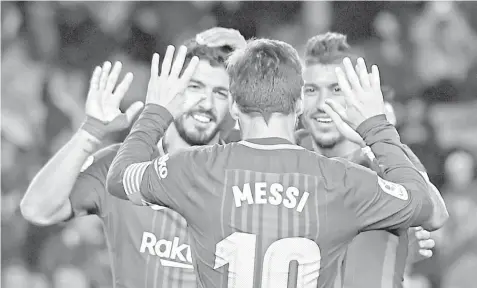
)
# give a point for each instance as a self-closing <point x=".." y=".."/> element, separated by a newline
<point x="222" y="94"/>
<point x="336" y="90"/>
<point x="193" y="86"/>
<point x="310" y="90"/>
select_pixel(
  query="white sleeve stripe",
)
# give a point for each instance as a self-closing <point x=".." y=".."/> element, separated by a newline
<point x="133" y="177"/>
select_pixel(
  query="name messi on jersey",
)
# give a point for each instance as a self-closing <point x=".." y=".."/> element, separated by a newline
<point x="274" y="194"/>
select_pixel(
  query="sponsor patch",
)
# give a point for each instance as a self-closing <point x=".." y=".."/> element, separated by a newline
<point x="161" y="166"/>
<point x="393" y="189"/>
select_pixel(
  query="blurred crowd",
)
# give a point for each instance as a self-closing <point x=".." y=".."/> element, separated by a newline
<point x="427" y="54"/>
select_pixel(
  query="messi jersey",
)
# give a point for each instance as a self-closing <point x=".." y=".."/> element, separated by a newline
<point x="267" y="213"/>
<point x="148" y="246"/>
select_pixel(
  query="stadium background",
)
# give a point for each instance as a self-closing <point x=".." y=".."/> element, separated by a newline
<point x="427" y="52"/>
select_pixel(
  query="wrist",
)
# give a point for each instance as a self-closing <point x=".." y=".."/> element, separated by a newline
<point x="94" y="128"/>
<point x="90" y="143"/>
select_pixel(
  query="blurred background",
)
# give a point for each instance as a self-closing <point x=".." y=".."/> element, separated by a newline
<point x="426" y="52"/>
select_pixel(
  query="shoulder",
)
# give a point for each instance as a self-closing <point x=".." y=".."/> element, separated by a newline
<point x="102" y="156"/>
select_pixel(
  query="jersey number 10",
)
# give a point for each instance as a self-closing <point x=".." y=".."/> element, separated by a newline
<point x="238" y="250"/>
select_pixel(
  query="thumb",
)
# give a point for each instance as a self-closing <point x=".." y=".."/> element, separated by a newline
<point x="132" y="111"/>
<point x="335" y="108"/>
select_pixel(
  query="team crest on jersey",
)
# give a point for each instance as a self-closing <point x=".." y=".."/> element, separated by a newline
<point x="87" y="163"/>
<point x="393" y="189"/>
<point x="161" y="166"/>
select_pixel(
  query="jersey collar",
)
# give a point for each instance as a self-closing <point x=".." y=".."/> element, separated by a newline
<point x="270" y="143"/>
<point x="162" y="149"/>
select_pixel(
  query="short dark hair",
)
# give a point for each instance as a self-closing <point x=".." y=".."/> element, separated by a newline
<point x="217" y="56"/>
<point x="328" y="48"/>
<point x="265" y="77"/>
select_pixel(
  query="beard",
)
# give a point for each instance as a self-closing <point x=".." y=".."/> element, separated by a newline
<point x="194" y="136"/>
<point x="327" y="142"/>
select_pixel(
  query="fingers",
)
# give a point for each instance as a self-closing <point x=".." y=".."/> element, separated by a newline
<point x="427" y="244"/>
<point x="375" y="79"/>
<point x="343" y="83"/>
<point x="155" y="65"/>
<point x="113" y="78"/>
<point x="122" y="88"/>
<point x="179" y="61"/>
<point x="104" y="75"/>
<point x="133" y="111"/>
<point x="351" y="74"/>
<point x="363" y="73"/>
<point x="423" y="234"/>
<point x="336" y="108"/>
<point x="95" y="78"/>
<point x="189" y="71"/>
<point x="425" y="253"/>
<point x="167" y="61"/>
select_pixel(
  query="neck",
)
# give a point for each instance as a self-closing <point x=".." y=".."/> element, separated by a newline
<point x="279" y="126"/>
<point x="340" y="149"/>
<point x="173" y="142"/>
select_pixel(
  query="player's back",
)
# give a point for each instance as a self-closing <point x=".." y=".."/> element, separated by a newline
<point x="273" y="218"/>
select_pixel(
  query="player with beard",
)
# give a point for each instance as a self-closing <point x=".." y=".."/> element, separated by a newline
<point x="149" y="246"/>
<point x="260" y="206"/>
<point x="384" y="253"/>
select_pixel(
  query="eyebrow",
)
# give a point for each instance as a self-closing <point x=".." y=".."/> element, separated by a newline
<point x="202" y="83"/>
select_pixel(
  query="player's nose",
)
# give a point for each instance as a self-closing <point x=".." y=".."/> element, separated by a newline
<point x="207" y="103"/>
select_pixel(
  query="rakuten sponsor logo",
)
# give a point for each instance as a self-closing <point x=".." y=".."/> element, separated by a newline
<point x="172" y="253"/>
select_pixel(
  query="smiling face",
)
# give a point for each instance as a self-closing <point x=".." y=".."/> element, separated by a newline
<point x="321" y="83"/>
<point x="201" y="124"/>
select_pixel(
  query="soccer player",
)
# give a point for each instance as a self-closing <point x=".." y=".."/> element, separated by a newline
<point x="149" y="246"/>
<point x="385" y="252"/>
<point x="255" y="206"/>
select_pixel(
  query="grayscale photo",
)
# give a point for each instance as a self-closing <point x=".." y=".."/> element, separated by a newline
<point x="238" y="144"/>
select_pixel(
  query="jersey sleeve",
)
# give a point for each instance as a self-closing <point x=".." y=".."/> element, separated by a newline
<point x="89" y="192"/>
<point x="400" y="198"/>
<point x="167" y="180"/>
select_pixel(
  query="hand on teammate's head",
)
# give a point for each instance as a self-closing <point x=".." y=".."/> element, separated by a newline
<point x="219" y="36"/>
<point x="362" y="90"/>
<point x="167" y="89"/>
<point x="104" y="97"/>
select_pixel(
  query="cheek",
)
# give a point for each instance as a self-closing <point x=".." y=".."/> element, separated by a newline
<point x="309" y="104"/>
<point x="222" y="108"/>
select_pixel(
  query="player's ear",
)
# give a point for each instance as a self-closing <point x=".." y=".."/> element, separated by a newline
<point x="300" y="104"/>
<point x="233" y="108"/>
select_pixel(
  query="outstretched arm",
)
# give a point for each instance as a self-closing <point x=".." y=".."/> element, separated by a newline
<point x="47" y="199"/>
<point x="165" y="100"/>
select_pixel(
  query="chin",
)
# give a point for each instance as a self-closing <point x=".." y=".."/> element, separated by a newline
<point x="197" y="137"/>
<point x="327" y="140"/>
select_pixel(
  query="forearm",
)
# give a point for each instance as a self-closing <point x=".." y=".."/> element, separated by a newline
<point x="439" y="213"/>
<point x="395" y="165"/>
<point x="138" y="146"/>
<point x="49" y="191"/>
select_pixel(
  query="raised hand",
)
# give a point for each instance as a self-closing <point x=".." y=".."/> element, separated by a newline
<point x="168" y="88"/>
<point x="363" y="95"/>
<point x="103" y="103"/>
<point x="219" y="36"/>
